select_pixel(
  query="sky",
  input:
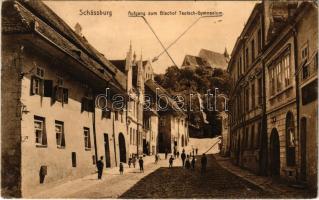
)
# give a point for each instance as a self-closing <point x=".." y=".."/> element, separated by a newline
<point x="111" y="35"/>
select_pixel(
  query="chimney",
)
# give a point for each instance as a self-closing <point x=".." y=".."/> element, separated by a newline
<point x="78" y="29"/>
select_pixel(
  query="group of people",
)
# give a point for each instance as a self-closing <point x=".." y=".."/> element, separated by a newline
<point x="132" y="160"/>
<point x="188" y="162"/>
<point x="176" y="153"/>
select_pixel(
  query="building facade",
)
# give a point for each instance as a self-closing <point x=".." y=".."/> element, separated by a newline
<point x="172" y="121"/>
<point x="50" y="78"/>
<point x="284" y="76"/>
<point x="245" y="68"/>
<point x="307" y="73"/>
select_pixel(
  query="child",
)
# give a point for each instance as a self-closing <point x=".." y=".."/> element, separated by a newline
<point x="134" y="161"/>
<point x="121" y="168"/>
<point x="129" y="162"/>
<point x="171" y="161"/>
<point x="187" y="163"/>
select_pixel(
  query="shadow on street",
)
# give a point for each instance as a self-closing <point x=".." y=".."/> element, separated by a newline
<point x="178" y="182"/>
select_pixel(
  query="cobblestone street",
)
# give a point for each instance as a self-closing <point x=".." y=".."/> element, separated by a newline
<point x="182" y="183"/>
<point x="159" y="181"/>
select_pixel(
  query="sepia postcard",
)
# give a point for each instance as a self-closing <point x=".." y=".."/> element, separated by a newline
<point x="159" y="99"/>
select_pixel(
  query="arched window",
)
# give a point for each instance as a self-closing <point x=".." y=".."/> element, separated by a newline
<point x="290" y="140"/>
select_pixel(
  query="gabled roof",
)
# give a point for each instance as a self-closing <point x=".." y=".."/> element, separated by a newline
<point x="190" y="60"/>
<point x="215" y="60"/>
<point x="206" y="58"/>
<point x="22" y="16"/>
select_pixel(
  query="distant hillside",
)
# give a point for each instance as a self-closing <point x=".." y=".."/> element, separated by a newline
<point x="185" y="81"/>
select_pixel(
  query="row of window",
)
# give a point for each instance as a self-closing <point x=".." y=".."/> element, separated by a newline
<point x="249" y="55"/>
<point x="41" y="133"/>
<point x="250" y="139"/>
<point x="280" y="74"/>
<point x="135" y="137"/>
<point x="248" y="99"/>
<point x="308" y="68"/>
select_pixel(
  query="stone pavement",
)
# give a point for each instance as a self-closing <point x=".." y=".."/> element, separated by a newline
<point x="273" y="187"/>
<point x="178" y="182"/>
<point x="112" y="184"/>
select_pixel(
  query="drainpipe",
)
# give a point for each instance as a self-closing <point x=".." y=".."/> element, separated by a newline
<point x="94" y="131"/>
<point x="138" y="132"/>
<point x="263" y="156"/>
<point x="113" y="127"/>
<point x="295" y="32"/>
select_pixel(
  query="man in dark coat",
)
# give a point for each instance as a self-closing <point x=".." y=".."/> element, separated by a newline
<point x="193" y="163"/>
<point x="204" y="163"/>
<point x="183" y="157"/>
<point x="100" y="166"/>
<point x="141" y="163"/>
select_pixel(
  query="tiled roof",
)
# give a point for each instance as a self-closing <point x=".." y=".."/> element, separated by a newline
<point x="206" y="58"/>
<point x="190" y="60"/>
<point x="215" y="60"/>
<point x="33" y="15"/>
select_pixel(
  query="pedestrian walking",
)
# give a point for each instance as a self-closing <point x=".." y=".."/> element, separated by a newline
<point x="129" y="162"/>
<point x="177" y="154"/>
<point x="141" y="163"/>
<point x="193" y="152"/>
<point x="171" y="161"/>
<point x="134" y="161"/>
<point x="187" y="163"/>
<point x="193" y="163"/>
<point x="156" y="159"/>
<point x="203" y="163"/>
<point x="183" y="156"/>
<point x="196" y="150"/>
<point x="121" y="168"/>
<point x="100" y="166"/>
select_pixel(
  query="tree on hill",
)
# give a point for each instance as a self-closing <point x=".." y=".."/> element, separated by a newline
<point x="184" y="81"/>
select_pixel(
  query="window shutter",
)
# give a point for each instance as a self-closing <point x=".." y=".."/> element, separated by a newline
<point x="65" y="95"/>
<point x="89" y="140"/>
<point x="83" y="104"/>
<point x="32" y="87"/>
<point x="63" y="140"/>
<point x="58" y="94"/>
<point x="48" y="88"/>
<point x="44" y="138"/>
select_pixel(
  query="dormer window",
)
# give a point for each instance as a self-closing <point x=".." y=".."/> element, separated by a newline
<point x="61" y="93"/>
<point x="37" y="82"/>
<point x="87" y="101"/>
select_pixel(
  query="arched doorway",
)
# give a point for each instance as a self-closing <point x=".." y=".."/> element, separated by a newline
<point x="290" y="140"/>
<point x="122" y="148"/>
<point x="274" y="153"/>
<point x="303" y="148"/>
